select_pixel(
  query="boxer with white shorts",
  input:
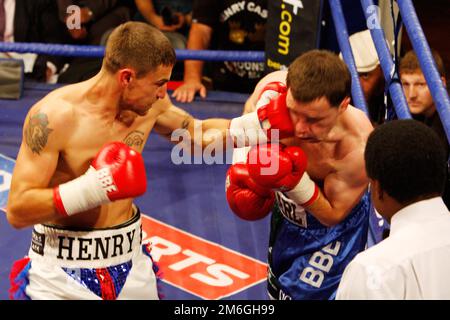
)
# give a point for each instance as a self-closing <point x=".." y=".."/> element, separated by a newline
<point x="107" y="263"/>
<point x="79" y="168"/>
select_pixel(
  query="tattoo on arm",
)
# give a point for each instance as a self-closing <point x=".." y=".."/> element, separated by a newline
<point x="36" y="132"/>
<point x="134" y="138"/>
<point x="185" y="123"/>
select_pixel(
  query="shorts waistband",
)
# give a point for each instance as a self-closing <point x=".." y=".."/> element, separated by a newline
<point x="90" y="248"/>
<point x="308" y="221"/>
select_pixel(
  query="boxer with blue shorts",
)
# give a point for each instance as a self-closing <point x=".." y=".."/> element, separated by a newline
<point x="313" y="267"/>
<point x="314" y="175"/>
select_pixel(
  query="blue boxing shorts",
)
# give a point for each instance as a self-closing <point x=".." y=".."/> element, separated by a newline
<point x="306" y="258"/>
<point x="93" y="264"/>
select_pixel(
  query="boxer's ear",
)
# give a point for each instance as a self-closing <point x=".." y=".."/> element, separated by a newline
<point x="126" y="76"/>
<point x="344" y="104"/>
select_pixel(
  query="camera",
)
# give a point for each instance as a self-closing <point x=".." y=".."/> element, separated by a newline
<point x="169" y="16"/>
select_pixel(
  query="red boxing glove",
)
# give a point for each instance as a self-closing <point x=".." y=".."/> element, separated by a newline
<point x="116" y="172"/>
<point x="284" y="169"/>
<point x="245" y="198"/>
<point x="271" y="113"/>
<point x="276" y="167"/>
<point x="271" y="91"/>
<point x="122" y="169"/>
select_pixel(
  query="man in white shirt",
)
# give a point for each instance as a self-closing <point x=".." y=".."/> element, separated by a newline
<point x="405" y="162"/>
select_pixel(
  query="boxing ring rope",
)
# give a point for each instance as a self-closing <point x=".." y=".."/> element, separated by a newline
<point x="347" y="54"/>
<point x="427" y="63"/>
<point x="99" y="51"/>
<point x="387" y="65"/>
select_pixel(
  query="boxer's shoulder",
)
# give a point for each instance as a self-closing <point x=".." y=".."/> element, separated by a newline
<point x="49" y="123"/>
<point x="279" y="75"/>
<point x="58" y="101"/>
<point x="54" y="111"/>
<point x="276" y="76"/>
<point x="357" y="124"/>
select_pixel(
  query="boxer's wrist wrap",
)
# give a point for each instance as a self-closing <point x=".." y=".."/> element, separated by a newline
<point x="81" y="194"/>
<point x="305" y="192"/>
<point x="247" y="130"/>
<point x="240" y="155"/>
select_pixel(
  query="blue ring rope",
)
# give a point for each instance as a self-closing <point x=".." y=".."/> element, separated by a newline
<point x="98" y="51"/>
<point x="427" y="63"/>
<point x="387" y="65"/>
<point x="347" y="54"/>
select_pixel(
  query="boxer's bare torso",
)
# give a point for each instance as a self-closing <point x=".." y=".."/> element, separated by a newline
<point x="62" y="134"/>
<point x="335" y="152"/>
<point x="81" y="131"/>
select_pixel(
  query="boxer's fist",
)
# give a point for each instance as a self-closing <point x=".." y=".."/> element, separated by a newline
<point x="271" y="113"/>
<point x="245" y="198"/>
<point x="121" y="171"/>
<point x="276" y="167"/>
<point x="284" y="169"/>
<point x="116" y="172"/>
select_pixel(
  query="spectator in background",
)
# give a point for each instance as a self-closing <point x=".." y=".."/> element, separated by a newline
<point x="404" y="161"/>
<point x="370" y="74"/>
<point x="420" y="101"/>
<point x="33" y="21"/>
<point x="224" y="25"/>
<point x="97" y="19"/>
<point x="172" y="17"/>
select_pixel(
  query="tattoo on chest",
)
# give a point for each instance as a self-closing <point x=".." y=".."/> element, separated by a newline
<point x="36" y="132"/>
<point x="134" y="138"/>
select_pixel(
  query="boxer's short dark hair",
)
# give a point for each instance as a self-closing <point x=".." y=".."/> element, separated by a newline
<point x="410" y="64"/>
<point x="138" y="46"/>
<point x="319" y="73"/>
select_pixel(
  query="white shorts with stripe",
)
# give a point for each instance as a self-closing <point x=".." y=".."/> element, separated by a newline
<point x="93" y="264"/>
